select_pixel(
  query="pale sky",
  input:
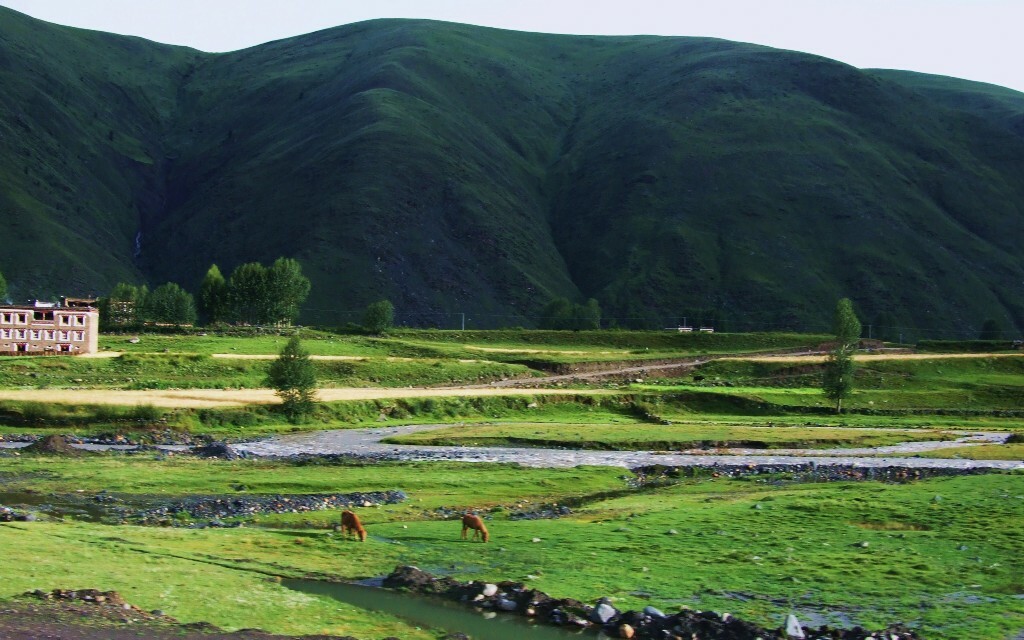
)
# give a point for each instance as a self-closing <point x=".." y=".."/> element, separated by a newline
<point x="975" y="39"/>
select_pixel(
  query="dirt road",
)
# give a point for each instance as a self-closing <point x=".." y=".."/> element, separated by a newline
<point x="208" y="398"/>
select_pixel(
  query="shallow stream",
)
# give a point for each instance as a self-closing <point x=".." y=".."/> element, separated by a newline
<point x="435" y="613"/>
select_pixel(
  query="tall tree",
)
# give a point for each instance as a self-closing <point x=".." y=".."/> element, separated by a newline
<point x="293" y="376"/>
<point x="213" y="296"/>
<point x="846" y="325"/>
<point x="837" y="378"/>
<point x="247" y="294"/>
<point x="379" y="316"/>
<point x="171" y="304"/>
<point x="3" y="288"/>
<point x="587" y="316"/>
<point x="556" y="314"/>
<point x="124" y="306"/>
<point x="287" y="289"/>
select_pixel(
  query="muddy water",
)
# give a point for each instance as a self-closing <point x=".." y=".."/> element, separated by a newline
<point x="438" y="614"/>
<point x="59" y="506"/>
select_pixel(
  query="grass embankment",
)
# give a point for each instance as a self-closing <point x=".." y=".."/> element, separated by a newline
<point x="251" y="421"/>
<point x="642" y="436"/>
<point x="940" y="554"/>
<point x="954" y="383"/>
<point x="198" y="371"/>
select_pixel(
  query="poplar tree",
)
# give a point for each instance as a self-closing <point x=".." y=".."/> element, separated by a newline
<point x="837" y="378"/>
<point x="213" y="296"/>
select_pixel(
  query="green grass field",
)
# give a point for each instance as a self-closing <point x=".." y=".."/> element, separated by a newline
<point x="939" y="554"/>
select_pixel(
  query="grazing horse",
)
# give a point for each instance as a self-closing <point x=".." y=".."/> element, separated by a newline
<point x="470" y="521"/>
<point x="350" y="523"/>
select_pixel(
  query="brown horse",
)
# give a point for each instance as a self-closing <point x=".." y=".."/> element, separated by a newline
<point x="470" y="521"/>
<point x="350" y="524"/>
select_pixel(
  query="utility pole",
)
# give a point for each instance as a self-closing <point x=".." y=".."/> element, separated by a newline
<point x="463" y="321"/>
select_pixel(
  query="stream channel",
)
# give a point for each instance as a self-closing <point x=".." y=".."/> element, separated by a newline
<point x="438" y="614"/>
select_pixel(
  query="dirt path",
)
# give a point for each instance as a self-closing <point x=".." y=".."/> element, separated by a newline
<point x="367" y="443"/>
<point x="207" y="398"/>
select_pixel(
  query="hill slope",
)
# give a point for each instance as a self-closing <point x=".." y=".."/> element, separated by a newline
<point x="454" y="168"/>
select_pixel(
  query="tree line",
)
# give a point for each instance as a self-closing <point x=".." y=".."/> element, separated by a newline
<point x="253" y="294"/>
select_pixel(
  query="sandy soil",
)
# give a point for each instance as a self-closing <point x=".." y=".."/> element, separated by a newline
<point x="203" y="398"/>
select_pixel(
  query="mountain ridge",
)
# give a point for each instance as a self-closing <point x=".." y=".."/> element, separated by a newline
<point x="453" y="168"/>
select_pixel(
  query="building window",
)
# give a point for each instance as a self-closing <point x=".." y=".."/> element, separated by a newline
<point x="50" y="334"/>
<point x="79" y="321"/>
<point x="22" y="318"/>
<point x="35" y="334"/>
<point x="79" y="336"/>
<point x="7" y="318"/>
<point x="5" y="333"/>
<point x="64" y="336"/>
<point x="65" y="321"/>
<point x="19" y="334"/>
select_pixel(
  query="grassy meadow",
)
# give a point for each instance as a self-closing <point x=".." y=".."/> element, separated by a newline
<point x="941" y="554"/>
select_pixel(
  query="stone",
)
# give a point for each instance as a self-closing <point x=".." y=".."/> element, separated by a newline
<point x="654" y="613"/>
<point x="673" y="532"/>
<point x="489" y="590"/>
<point x="793" y="629"/>
<point x="603" y="613"/>
<point x="626" y="631"/>
<point x="507" y="605"/>
<point x="535" y="540"/>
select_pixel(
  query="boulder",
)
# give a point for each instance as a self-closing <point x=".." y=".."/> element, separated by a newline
<point x="793" y="629"/>
<point x="603" y="613"/>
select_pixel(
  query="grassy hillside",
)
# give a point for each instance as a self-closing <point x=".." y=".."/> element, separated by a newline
<point x="454" y="168"/>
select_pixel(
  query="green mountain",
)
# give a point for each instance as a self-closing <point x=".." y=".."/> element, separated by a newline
<point x="453" y="168"/>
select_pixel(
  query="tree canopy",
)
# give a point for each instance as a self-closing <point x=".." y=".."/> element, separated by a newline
<point x="293" y="376"/>
<point x="261" y="295"/>
<point x="379" y="316"/>
<point x="125" y="306"/>
<point x="213" y="296"/>
<point x="3" y="287"/>
<point x="845" y="325"/>
<point x="171" y="304"/>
